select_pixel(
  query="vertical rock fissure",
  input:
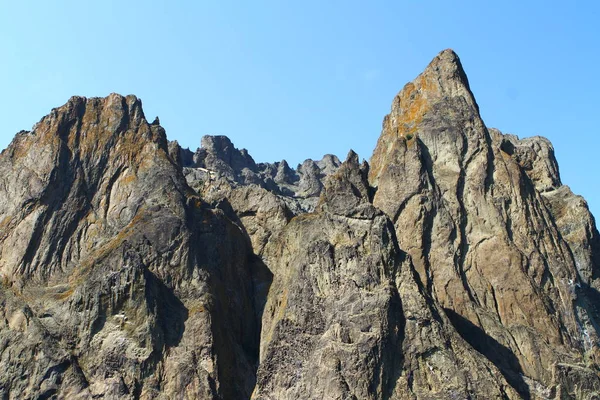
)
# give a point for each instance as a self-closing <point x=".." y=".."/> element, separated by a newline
<point x="273" y="283"/>
<point x="459" y="257"/>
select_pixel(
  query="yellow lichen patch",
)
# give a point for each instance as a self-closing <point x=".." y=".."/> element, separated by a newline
<point x="304" y="218"/>
<point x="343" y="239"/>
<point x="196" y="308"/>
<point x="130" y="146"/>
<point x="282" y="304"/>
<point x="20" y="148"/>
<point x="411" y="105"/>
<point x="507" y="157"/>
<point x="5" y="222"/>
<point x="414" y="104"/>
<point x="64" y="295"/>
<point x="128" y="179"/>
<point x="428" y="84"/>
<point x="279" y="312"/>
<point x="5" y="281"/>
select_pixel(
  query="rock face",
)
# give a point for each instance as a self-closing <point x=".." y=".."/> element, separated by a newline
<point x="118" y="280"/>
<point x="490" y="229"/>
<point x="456" y="265"/>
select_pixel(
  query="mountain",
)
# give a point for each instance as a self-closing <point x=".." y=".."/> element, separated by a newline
<point x="453" y="265"/>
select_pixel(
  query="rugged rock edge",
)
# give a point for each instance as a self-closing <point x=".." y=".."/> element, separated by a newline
<point x="455" y="265"/>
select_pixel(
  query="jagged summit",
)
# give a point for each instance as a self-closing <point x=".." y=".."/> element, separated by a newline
<point x="465" y="201"/>
<point x="448" y="70"/>
<point x="440" y="91"/>
<point x="219" y="158"/>
<point x="455" y="266"/>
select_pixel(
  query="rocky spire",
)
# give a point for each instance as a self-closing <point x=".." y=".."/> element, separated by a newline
<point x="347" y="191"/>
<point x="465" y="203"/>
<point x="443" y="81"/>
<point x="458" y="267"/>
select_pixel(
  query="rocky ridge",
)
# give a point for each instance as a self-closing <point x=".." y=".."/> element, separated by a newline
<point x="455" y="264"/>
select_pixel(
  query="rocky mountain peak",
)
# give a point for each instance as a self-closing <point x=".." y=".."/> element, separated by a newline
<point x="456" y="266"/>
<point x="73" y="163"/>
<point x="461" y="197"/>
<point x="446" y="68"/>
<point x="444" y="77"/>
<point x="440" y="91"/>
<point x="112" y="118"/>
<point x="218" y="163"/>
<point x="347" y="191"/>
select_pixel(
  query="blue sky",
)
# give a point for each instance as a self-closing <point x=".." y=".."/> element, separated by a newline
<point x="297" y="80"/>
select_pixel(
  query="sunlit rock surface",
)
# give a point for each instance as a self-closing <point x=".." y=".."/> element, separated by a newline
<point x="454" y="265"/>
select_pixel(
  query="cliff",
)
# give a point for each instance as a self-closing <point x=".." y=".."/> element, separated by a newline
<point x="453" y="265"/>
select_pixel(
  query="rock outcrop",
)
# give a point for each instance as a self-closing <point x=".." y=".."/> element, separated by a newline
<point x="470" y="206"/>
<point x="118" y="280"/>
<point x="454" y="265"/>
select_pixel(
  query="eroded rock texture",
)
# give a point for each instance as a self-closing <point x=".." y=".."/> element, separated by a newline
<point x="118" y="280"/>
<point x="490" y="230"/>
<point x="456" y="265"/>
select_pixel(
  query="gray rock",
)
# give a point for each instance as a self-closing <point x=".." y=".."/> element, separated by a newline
<point x="285" y="175"/>
<point x="456" y="265"/>
<point x="118" y="281"/>
<point x="345" y="317"/>
<point x="468" y="207"/>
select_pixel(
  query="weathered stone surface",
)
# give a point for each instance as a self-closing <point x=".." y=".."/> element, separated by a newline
<point x="262" y="197"/>
<point x="345" y="318"/>
<point x="118" y="281"/>
<point x="218" y="159"/>
<point x="535" y="155"/>
<point x="468" y="208"/>
<point x="455" y="266"/>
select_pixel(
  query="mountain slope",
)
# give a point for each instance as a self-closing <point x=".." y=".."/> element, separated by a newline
<point x="470" y="206"/>
<point x="454" y="265"/>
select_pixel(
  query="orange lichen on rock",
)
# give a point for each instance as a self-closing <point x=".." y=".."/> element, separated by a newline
<point x="443" y="78"/>
<point x="5" y="222"/>
<point x="64" y="295"/>
<point x="410" y="106"/>
<point x="414" y="103"/>
<point x="20" y="147"/>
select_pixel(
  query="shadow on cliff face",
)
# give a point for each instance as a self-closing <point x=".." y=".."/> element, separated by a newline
<point x="501" y="356"/>
<point x="393" y="358"/>
<point x="589" y="298"/>
<point x="171" y="312"/>
<point x="591" y="294"/>
<point x="261" y="275"/>
<point x="237" y="338"/>
<point x="240" y="282"/>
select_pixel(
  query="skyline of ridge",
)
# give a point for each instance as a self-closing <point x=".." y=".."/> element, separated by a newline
<point x="295" y="82"/>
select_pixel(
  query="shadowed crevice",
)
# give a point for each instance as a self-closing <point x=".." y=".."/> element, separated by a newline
<point x="393" y="362"/>
<point x="501" y="356"/>
<point x="461" y="226"/>
<point x="170" y="311"/>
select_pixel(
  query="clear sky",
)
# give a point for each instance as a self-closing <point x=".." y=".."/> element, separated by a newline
<point x="299" y="79"/>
